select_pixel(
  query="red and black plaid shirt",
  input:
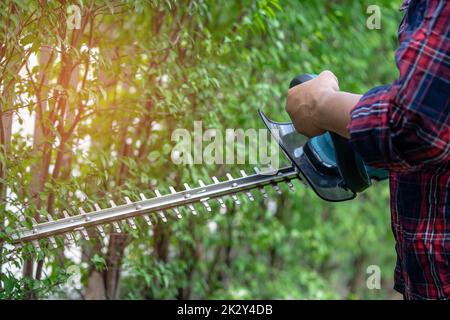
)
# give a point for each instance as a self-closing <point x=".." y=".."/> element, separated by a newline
<point x="404" y="127"/>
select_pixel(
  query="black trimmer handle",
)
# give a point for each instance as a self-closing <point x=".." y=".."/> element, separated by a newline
<point x="350" y="164"/>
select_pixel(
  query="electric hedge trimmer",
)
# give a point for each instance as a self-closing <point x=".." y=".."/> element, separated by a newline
<point x="326" y="163"/>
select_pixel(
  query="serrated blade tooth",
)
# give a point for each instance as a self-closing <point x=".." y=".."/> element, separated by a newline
<point x="263" y="192"/>
<point x="65" y="214"/>
<point x="71" y="237"/>
<point x="177" y="212"/>
<point x="34" y="225"/>
<point x="222" y="203"/>
<point x="84" y="234"/>
<point x="97" y="207"/>
<point x="101" y="230"/>
<point x="142" y="196"/>
<point x="116" y="227"/>
<point x="250" y="196"/>
<point x="147" y="219"/>
<point x="277" y="188"/>
<point x="132" y="223"/>
<point x="53" y="242"/>
<point x="113" y="204"/>
<point x="229" y="176"/>
<point x="163" y="217"/>
<point x="248" y="193"/>
<point x="215" y="180"/>
<point x="68" y="238"/>
<point x="127" y="200"/>
<point x="190" y="206"/>
<point x="82" y="212"/>
<point x="290" y="185"/>
<point x="50" y="218"/>
<point x="206" y="204"/>
<point x="233" y="196"/>
<point x="172" y="190"/>
<point x="161" y="213"/>
<point x="205" y="200"/>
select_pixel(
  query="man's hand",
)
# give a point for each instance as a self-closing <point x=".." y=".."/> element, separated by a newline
<point x="305" y="101"/>
<point x="317" y="106"/>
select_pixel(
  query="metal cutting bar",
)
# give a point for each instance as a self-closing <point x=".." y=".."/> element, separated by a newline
<point x="144" y="206"/>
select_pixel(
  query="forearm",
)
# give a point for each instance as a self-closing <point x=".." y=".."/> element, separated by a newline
<point x="334" y="111"/>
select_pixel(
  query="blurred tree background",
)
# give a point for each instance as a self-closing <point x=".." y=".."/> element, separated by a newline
<point x="89" y="112"/>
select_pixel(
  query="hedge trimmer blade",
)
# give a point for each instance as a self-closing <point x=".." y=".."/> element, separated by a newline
<point x="327" y="163"/>
<point x="161" y="207"/>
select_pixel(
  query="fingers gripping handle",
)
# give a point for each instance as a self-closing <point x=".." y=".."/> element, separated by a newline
<point x="350" y="164"/>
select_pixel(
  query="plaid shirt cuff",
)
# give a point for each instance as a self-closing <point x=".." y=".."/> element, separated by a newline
<point x="370" y="129"/>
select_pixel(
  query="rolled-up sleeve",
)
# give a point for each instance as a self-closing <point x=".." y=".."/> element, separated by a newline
<point x="405" y="125"/>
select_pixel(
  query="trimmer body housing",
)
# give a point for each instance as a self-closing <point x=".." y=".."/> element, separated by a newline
<point x="326" y="162"/>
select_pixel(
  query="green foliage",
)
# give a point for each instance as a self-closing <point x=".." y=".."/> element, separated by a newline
<point x="160" y="65"/>
<point x="13" y="288"/>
